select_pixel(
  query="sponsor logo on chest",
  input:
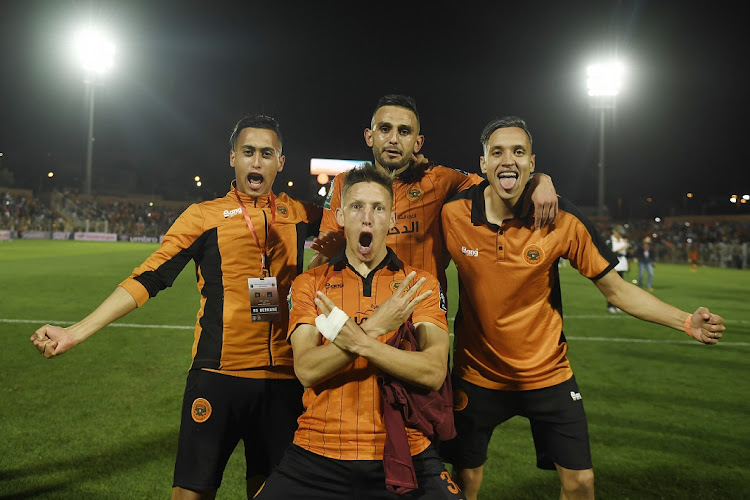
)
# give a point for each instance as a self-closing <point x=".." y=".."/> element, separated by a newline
<point x="469" y="252"/>
<point x="232" y="213"/>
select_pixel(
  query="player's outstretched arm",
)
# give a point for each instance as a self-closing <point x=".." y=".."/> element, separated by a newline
<point x="543" y="196"/>
<point x="703" y="325"/>
<point x="52" y="340"/>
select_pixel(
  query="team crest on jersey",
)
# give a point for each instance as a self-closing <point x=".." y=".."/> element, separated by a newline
<point x="414" y="193"/>
<point x="533" y="255"/>
<point x="460" y="400"/>
<point x="394" y="285"/>
<point x="201" y="410"/>
<point x="282" y="210"/>
<point x="327" y="203"/>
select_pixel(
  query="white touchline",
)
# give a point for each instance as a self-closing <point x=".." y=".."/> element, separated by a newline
<point x="41" y="322"/>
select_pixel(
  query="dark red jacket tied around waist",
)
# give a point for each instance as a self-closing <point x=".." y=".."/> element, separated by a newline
<point x="407" y="406"/>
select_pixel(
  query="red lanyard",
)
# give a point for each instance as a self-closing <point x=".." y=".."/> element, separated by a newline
<point x="264" y="248"/>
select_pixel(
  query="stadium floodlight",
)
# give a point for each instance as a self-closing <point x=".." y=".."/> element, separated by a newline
<point x="604" y="79"/>
<point x="603" y="83"/>
<point x="95" y="52"/>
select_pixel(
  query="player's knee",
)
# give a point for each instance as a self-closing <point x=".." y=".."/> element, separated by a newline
<point x="578" y="483"/>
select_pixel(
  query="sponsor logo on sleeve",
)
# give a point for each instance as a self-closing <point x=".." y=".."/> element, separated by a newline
<point x="327" y="203"/>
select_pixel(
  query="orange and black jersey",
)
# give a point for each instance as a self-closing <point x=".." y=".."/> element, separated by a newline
<point x="343" y="416"/>
<point x="216" y="236"/>
<point x="509" y="325"/>
<point x="417" y="237"/>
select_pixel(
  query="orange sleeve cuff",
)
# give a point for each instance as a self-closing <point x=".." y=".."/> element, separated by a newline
<point x="687" y="325"/>
<point x="138" y="291"/>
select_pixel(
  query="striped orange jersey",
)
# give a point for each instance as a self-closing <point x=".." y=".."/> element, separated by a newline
<point x="343" y="416"/>
<point x="216" y="236"/>
<point x="509" y="325"/>
<point x="417" y="237"/>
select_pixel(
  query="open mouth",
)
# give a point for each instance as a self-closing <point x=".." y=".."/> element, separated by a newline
<point x="507" y="180"/>
<point x="365" y="243"/>
<point x="254" y="181"/>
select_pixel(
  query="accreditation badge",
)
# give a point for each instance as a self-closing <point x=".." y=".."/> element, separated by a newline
<point x="264" y="299"/>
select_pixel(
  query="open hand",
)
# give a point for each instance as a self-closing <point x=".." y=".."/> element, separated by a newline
<point x="329" y="244"/>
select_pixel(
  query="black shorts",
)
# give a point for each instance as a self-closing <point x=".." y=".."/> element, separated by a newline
<point x="303" y="475"/>
<point x="558" y="424"/>
<point x="219" y="410"/>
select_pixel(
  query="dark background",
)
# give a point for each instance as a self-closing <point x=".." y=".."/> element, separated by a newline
<point x="186" y="71"/>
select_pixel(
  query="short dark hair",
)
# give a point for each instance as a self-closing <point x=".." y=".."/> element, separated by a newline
<point x="255" y="121"/>
<point x="402" y="101"/>
<point x="367" y="172"/>
<point x="504" y="122"/>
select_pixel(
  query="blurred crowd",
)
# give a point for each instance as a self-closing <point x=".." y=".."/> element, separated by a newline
<point x="713" y="241"/>
<point x="74" y="213"/>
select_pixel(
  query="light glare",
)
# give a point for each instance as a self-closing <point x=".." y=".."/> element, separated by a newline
<point x="95" y="51"/>
<point x="604" y="79"/>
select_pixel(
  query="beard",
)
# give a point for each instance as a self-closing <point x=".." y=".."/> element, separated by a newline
<point x="392" y="164"/>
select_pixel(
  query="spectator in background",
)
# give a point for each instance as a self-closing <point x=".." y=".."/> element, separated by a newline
<point x="693" y="256"/>
<point x="645" y="257"/>
<point x="618" y="243"/>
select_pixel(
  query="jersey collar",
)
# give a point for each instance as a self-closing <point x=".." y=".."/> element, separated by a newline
<point x="250" y="201"/>
<point x="478" y="213"/>
<point x="339" y="261"/>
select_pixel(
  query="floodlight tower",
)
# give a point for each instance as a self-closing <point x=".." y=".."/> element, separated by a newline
<point x="603" y="82"/>
<point x="96" y="54"/>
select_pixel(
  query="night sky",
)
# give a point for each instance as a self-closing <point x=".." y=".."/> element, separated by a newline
<point x="186" y="71"/>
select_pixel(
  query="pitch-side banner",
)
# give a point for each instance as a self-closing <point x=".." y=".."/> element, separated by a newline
<point x="95" y="236"/>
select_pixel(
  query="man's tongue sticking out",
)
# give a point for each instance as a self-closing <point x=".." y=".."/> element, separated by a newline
<point x="254" y="181"/>
<point x="507" y="180"/>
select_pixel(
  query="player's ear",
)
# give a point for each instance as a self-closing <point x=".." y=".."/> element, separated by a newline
<point x="282" y="160"/>
<point x="231" y="158"/>
<point x="482" y="165"/>
<point x="368" y="137"/>
<point x="420" y="142"/>
<point x="340" y="217"/>
<point x="532" y="163"/>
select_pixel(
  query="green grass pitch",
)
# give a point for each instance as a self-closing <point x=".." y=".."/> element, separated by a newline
<point x="669" y="418"/>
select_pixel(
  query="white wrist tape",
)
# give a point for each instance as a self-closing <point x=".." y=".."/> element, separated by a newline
<point x="331" y="326"/>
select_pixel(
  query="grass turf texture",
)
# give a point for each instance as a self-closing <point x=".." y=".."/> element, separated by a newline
<point x="668" y="417"/>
